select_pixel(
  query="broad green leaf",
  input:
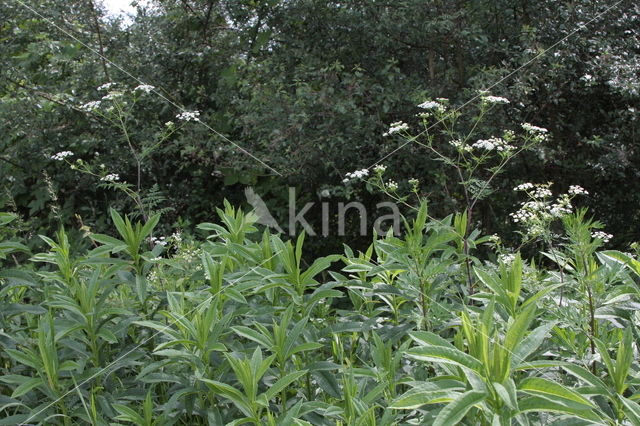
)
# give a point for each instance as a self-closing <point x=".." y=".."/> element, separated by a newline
<point x="455" y="411"/>
<point x="547" y="388"/>
<point x="441" y="354"/>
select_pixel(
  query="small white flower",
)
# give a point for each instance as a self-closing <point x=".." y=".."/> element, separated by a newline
<point x="144" y="88"/>
<point x="379" y="168"/>
<point x="523" y="187"/>
<point x="459" y="146"/>
<point x="396" y="127"/>
<point x="90" y="106"/>
<point x="106" y="86"/>
<point x="414" y="182"/>
<point x="492" y="143"/>
<point x="391" y="185"/>
<point x="111" y="177"/>
<point x="189" y="116"/>
<point x="577" y="190"/>
<point x="358" y="174"/>
<point x="169" y="124"/>
<point x="433" y="105"/>
<point x="542" y="192"/>
<point x="112" y="95"/>
<point x="161" y="241"/>
<point x="61" y="155"/>
<point x="495" y="99"/>
<point x="533" y="129"/>
<point x="325" y="193"/>
<point x="601" y="236"/>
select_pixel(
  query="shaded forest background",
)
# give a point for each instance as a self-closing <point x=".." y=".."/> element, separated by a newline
<point x="309" y="87"/>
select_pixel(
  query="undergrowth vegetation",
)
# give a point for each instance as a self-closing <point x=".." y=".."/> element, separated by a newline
<point x="433" y="327"/>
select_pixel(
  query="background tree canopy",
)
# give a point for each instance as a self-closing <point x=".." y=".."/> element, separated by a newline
<point x="309" y="87"/>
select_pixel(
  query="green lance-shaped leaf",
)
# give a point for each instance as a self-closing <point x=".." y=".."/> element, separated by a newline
<point x="455" y="411"/>
<point x="549" y="389"/>
<point x="441" y="354"/>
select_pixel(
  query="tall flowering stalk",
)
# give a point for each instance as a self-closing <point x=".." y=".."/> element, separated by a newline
<point x="116" y="108"/>
<point x="476" y="161"/>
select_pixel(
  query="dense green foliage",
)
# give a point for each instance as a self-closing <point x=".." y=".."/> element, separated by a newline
<point x="237" y="329"/>
<point x="309" y="87"/>
<point x="511" y="310"/>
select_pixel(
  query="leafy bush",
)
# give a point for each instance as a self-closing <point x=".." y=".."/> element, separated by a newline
<point x="237" y="328"/>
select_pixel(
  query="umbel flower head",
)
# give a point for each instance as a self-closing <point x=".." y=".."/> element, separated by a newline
<point x="396" y="127"/>
<point x="358" y="174"/>
<point x="189" y="116"/>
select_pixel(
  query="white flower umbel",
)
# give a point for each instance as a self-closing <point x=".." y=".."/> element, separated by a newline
<point x="533" y="129"/>
<point x="577" y="190"/>
<point x="460" y="146"/>
<point x="111" y="177"/>
<point x="358" y="174"/>
<point x="189" y="116"/>
<point x="523" y="187"/>
<point x="112" y="95"/>
<point x="493" y="143"/>
<point x="495" y="99"/>
<point x="379" y="169"/>
<point x="106" y="86"/>
<point x="61" y="155"/>
<point x="144" y="88"/>
<point x="161" y="241"/>
<point x="391" y="186"/>
<point x="600" y="235"/>
<point x="432" y="105"/>
<point x="90" y="106"/>
<point x="396" y="127"/>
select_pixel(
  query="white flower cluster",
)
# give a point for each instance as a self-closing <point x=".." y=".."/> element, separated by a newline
<point x="523" y="187"/>
<point x="460" y="146"/>
<point x="492" y="143"/>
<point x="111" y="177"/>
<point x="540" y="210"/>
<point x="562" y="206"/>
<point x="391" y="185"/>
<point x="144" y="88"/>
<point x="541" y="192"/>
<point x="414" y="182"/>
<point x="90" y="106"/>
<point x="396" y="127"/>
<point x="379" y="169"/>
<point x="433" y="105"/>
<point x="495" y="99"/>
<point x="61" y="155"/>
<point x="160" y="241"/>
<point x="533" y="129"/>
<point x="358" y="174"/>
<point x="112" y="95"/>
<point x="189" y="116"/>
<point x="539" y="134"/>
<point x="577" y="190"/>
<point x="106" y="86"/>
<point x="601" y="236"/>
